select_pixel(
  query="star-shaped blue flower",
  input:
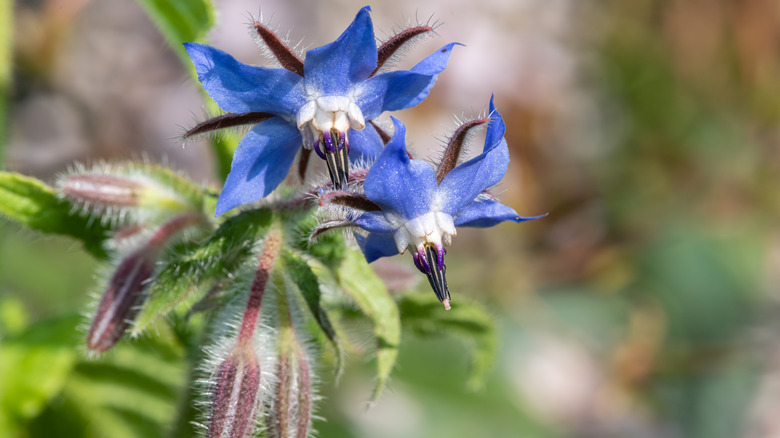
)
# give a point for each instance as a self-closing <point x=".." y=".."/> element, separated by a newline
<point x="419" y="208"/>
<point x="324" y="104"/>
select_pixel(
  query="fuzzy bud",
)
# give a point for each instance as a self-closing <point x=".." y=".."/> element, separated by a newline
<point x="102" y="190"/>
<point x="135" y="191"/>
<point x="289" y="411"/>
<point x="121" y="299"/>
<point x="234" y="400"/>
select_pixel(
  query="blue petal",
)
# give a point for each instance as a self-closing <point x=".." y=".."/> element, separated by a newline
<point x="496" y="128"/>
<point x="401" y="89"/>
<point x="486" y="213"/>
<point x="260" y="163"/>
<point x="335" y="67"/>
<point x="466" y="181"/>
<point x="375" y="222"/>
<point x="365" y="144"/>
<point x="397" y="184"/>
<point x="241" y="88"/>
<point x="377" y="246"/>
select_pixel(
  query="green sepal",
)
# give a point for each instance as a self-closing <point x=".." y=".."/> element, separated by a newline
<point x="329" y="248"/>
<point x="219" y="256"/>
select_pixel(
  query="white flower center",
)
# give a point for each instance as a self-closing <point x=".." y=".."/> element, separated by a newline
<point x="324" y="113"/>
<point x="434" y="227"/>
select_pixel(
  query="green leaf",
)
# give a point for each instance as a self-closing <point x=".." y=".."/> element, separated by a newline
<point x="32" y="203"/>
<point x="307" y="282"/>
<point x="34" y="369"/>
<point x="424" y="315"/>
<point x="369" y="292"/>
<point x="220" y="255"/>
<point x="131" y="392"/>
<point x="181" y="21"/>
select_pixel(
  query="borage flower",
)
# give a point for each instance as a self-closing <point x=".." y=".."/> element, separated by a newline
<point x="409" y="205"/>
<point x="323" y="102"/>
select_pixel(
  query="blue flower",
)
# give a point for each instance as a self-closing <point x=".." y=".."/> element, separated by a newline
<point x="323" y="102"/>
<point x="412" y="206"/>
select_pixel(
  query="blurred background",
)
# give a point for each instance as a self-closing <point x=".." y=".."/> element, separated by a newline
<point x="645" y="305"/>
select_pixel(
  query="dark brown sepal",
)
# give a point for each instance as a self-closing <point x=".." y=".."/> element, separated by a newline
<point x="455" y="148"/>
<point x="391" y="46"/>
<point x="228" y="120"/>
<point x="286" y="57"/>
<point x="357" y="201"/>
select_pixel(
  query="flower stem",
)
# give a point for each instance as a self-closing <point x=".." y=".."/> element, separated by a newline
<point x="266" y="261"/>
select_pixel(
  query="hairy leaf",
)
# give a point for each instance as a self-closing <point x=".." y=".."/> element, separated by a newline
<point x="369" y="292"/>
<point x="307" y="282"/>
<point x="216" y="258"/>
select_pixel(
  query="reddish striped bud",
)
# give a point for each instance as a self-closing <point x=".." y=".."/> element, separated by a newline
<point x="234" y="400"/>
<point x="134" y="191"/>
<point x="289" y="411"/>
<point x="121" y="300"/>
<point x="125" y="293"/>
<point x="101" y="190"/>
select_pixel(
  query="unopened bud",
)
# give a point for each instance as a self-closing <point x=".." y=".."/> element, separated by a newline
<point x="234" y="400"/>
<point x="116" y="190"/>
<point x="101" y="190"/>
<point x="125" y="293"/>
<point x="121" y="300"/>
<point x="289" y="414"/>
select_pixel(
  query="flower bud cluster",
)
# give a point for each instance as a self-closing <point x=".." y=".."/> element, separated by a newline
<point x="238" y="388"/>
<point x="122" y="299"/>
<point x="150" y="208"/>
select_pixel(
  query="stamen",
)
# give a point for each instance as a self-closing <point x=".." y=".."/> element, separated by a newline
<point x="391" y="46"/>
<point x="455" y="148"/>
<point x="287" y="58"/>
<point x="329" y="147"/>
<point x="418" y="261"/>
<point x="228" y="120"/>
<point x="337" y="157"/>
<point x="434" y="257"/>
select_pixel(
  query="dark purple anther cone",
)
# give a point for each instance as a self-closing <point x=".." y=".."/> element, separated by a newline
<point x="328" y="140"/>
<point x="121" y="300"/>
<point x="336" y="155"/>
<point x="234" y="401"/>
<point x="429" y="259"/>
